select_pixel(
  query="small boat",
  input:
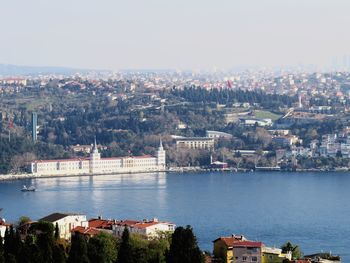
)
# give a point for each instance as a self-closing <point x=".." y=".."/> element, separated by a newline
<point x="28" y="189"/>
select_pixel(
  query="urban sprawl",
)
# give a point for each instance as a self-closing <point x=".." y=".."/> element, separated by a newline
<point x="108" y="123"/>
<point x="255" y="120"/>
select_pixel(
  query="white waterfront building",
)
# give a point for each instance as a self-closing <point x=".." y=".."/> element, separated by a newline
<point x="66" y="222"/>
<point x="97" y="165"/>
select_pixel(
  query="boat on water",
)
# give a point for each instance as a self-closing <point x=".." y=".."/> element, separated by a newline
<point x="28" y="189"/>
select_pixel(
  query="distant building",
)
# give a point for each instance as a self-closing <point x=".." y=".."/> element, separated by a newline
<point x="97" y="165"/>
<point x="257" y="122"/>
<point x="230" y="117"/>
<point x="66" y="222"/>
<point x="86" y="148"/>
<point x="248" y="152"/>
<point x="218" y="134"/>
<point x="218" y="165"/>
<point x="81" y="148"/>
<point x="287" y="140"/>
<point x="14" y="81"/>
<point x="279" y="132"/>
<point x="181" y="126"/>
<point x="195" y="143"/>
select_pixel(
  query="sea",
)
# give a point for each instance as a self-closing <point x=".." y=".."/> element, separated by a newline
<point x="311" y="210"/>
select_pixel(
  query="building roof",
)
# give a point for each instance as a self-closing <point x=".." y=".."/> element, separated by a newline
<point x="145" y="225"/>
<point x="91" y="231"/>
<point x="87" y="159"/>
<point x="140" y="224"/>
<point x="56" y="216"/>
<point x="194" y="139"/>
<point x="247" y="244"/>
<point x="101" y="223"/>
<point x="239" y="241"/>
<point x="61" y="160"/>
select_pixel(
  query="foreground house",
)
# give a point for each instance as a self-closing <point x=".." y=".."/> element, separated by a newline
<point x="100" y="223"/>
<point x="238" y="249"/>
<point x="274" y="255"/>
<point x="66" y="222"/>
<point x="323" y="258"/>
<point x="85" y="231"/>
<point x="150" y="229"/>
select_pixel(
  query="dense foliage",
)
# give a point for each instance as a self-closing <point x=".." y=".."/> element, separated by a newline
<point x="39" y="243"/>
<point x="226" y="96"/>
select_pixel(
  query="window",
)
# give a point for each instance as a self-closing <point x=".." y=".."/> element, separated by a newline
<point x="244" y="258"/>
<point x="254" y="259"/>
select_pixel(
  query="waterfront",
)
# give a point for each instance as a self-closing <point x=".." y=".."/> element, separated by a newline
<point x="310" y="209"/>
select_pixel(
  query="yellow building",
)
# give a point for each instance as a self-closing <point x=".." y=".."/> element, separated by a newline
<point x="237" y="249"/>
<point x="274" y="255"/>
<point x="223" y="249"/>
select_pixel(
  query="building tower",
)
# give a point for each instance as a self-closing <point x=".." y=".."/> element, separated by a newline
<point x="161" y="156"/>
<point x="34" y="126"/>
<point x="95" y="157"/>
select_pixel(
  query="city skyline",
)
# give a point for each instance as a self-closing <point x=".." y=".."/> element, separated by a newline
<point x="175" y="35"/>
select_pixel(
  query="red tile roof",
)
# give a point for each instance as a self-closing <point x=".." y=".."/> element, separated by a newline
<point x="248" y="244"/>
<point x="139" y="224"/>
<point x="145" y="225"/>
<point x="101" y="223"/>
<point x="128" y="222"/>
<point x="61" y="160"/>
<point x="87" y="158"/>
<point x="90" y="231"/>
<point x="234" y="242"/>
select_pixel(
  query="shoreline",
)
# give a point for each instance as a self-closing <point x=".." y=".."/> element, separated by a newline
<point x="14" y="177"/>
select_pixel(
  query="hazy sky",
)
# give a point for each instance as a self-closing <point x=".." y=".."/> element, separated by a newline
<point x="196" y="34"/>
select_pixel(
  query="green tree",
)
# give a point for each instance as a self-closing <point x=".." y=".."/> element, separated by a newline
<point x="17" y="245"/>
<point x="289" y="247"/>
<point x="58" y="254"/>
<point x="125" y="252"/>
<point x="78" y="251"/>
<point x="102" y="248"/>
<point x="184" y="248"/>
<point x="2" y="258"/>
<point x="23" y="220"/>
<point x="57" y="232"/>
<point x="9" y="244"/>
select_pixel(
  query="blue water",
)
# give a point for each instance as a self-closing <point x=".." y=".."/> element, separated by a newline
<point x="310" y="209"/>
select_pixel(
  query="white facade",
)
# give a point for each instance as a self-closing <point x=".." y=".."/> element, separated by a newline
<point x="258" y="122"/>
<point x="195" y="143"/>
<point x="218" y="134"/>
<point x="2" y="230"/>
<point x="150" y="229"/>
<point x="97" y="165"/>
<point x="66" y="222"/>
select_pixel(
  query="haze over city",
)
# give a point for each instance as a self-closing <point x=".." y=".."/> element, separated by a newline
<point x="178" y="34"/>
<point x="184" y="131"/>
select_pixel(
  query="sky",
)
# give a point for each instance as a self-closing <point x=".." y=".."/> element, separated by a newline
<point x="174" y="34"/>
